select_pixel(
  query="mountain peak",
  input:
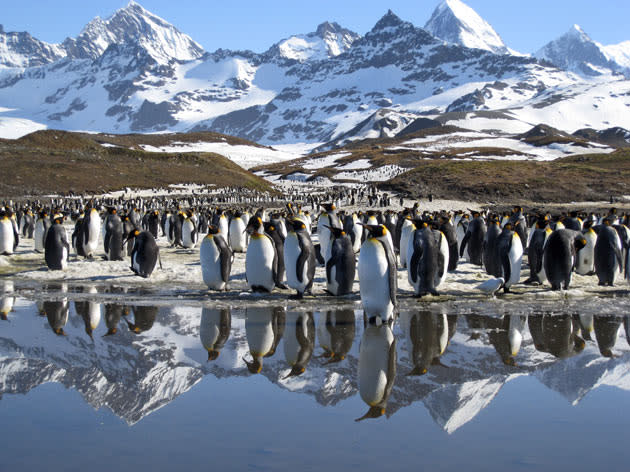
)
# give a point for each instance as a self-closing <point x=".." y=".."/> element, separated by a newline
<point x="455" y="22"/>
<point x="389" y="20"/>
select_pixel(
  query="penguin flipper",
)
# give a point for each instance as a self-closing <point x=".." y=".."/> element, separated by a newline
<point x="330" y="264"/>
<point x="391" y="371"/>
<point x="464" y="242"/>
<point x="507" y="268"/>
<point x="226" y="258"/>
<point x="393" y="272"/>
<point x="413" y="264"/>
<point x="301" y="262"/>
<point x="441" y="265"/>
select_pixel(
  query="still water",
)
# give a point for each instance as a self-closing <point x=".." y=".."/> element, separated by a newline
<point x="89" y="381"/>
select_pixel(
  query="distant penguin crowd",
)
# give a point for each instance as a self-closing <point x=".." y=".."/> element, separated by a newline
<point x="285" y="241"/>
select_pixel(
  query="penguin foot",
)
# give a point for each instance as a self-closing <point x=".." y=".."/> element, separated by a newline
<point x="297" y="296"/>
<point x="282" y="286"/>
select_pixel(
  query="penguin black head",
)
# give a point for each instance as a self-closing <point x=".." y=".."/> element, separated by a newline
<point x="376" y="231"/>
<point x="296" y="371"/>
<point x="328" y="206"/>
<point x="255" y="366"/>
<point x="213" y="355"/>
<point x="297" y="225"/>
<point x="254" y="224"/>
<point x="213" y="229"/>
<point x="373" y="412"/>
<point x="336" y="232"/>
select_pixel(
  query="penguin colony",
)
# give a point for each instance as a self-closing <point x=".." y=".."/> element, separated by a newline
<point x="283" y="246"/>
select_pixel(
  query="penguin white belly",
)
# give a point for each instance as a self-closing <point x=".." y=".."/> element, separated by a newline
<point x="446" y="255"/>
<point x="134" y="261"/>
<point x="357" y="229"/>
<point x="516" y="258"/>
<point x="167" y="230"/>
<point x="405" y="233"/>
<point x="210" y="258"/>
<point x="322" y="332"/>
<point x="94" y="230"/>
<point x="189" y="236"/>
<point x="374" y="363"/>
<point x="586" y="255"/>
<point x="460" y="232"/>
<point x="259" y="262"/>
<point x="64" y="258"/>
<point x="292" y="252"/>
<point x="374" y="280"/>
<point x="331" y="285"/>
<point x="238" y="237"/>
<point x="443" y="335"/>
<point x="224" y="227"/>
<point x="6" y="237"/>
<point x="324" y="234"/>
<point x="209" y="327"/>
<point x="38" y="236"/>
<point x="515" y="333"/>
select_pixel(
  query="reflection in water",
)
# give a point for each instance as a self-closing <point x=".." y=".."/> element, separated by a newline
<point x="57" y="314"/>
<point x="377" y="368"/>
<point x="144" y="317"/>
<point x="299" y="341"/>
<point x="214" y="330"/>
<point x="559" y="335"/>
<point x="6" y="299"/>
<point x="89" y="311"/>
<point x="264" y="327"/>
<point x="606" y="333"/>
<point x="336" y="331"/>
<point x="133" y="381"/>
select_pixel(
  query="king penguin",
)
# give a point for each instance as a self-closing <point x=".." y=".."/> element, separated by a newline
<point x="216" y="260"/>
<point x="238" y="236"/>
<point x="335" y="332"/>
<point x="261" y="259"/>
<point x="378" y="277"/>
<point x="299" y="341"/>
<point x="299" y="258"/>
<point x="90" y="230"/>
<point x="427" y="259"/>
<point x="189" y="230"/>
<point x="559" y="256"/>
<point x="41" y="227"/>
<point x="510" y="250"/>
<point x="473" y="239"/>
<point x="56" y="248"/>
<point x="145" y="254"/>
<point x="8" y="235"/>
<point x="607" y="251"/>
<point x="113" y="237"/>
<point x="260" y="335"/>
<point x="341" y="267"/>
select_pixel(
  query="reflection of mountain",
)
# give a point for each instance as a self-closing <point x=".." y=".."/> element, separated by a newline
<point x="135" y="374"/>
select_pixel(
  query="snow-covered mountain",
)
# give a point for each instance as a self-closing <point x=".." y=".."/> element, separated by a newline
<point x="134" y="72"/>
<point x="457" y="23"/>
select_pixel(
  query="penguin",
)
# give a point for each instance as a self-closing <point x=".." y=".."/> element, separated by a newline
<point x="8" y="234"/>
<point x="539" y="236"/>
<point x="506" y="333"/>
<point x="56" y="247"/>
<point x="517" y="219"/>
<point x="377" y="368"/>
<point x="113" y="236"/>
<point x="606" y="332"/>
<point x="607" y="254"/>
<point x="427" y="259"/>
<point x="448" y="230"/>
<point x="168" y="218"/>
<point x="341" y="267"/>
<point x="427" y="336"/>
<point x="299" y="341"/>
<point x="261" y="259"/>
<point x="473" y="239"/>
<point x="221" y="220"/>
<point x="90" y="312"/>
<point x="406" y="232"/>
<point x="275" y="233"/>
<point x="57" y="314"/>
<point x="510" y="251"/>
<point x="559" y="256"/>
<point x="175" y="229"/>
<point x="557" y="334"/>
<point x="491" y="261"/>
<point x="237" y="234"/>
<point x="90" y="230"/>
<point x="41" y="227"/>
<point x="145" y="254"/>
<point x="327" y="219"/>
<point x="153" y="223"/>
<point x="378" y="277"/>
<point x="189" y="230"/>
<point x="260" y="335"/>
<point x="353" y="228"/>
<point x="335" y="331"/>
<point x="461" y="228"/>
<point x="299" y="258"/>
<point x="143" y="318"/>
<point x="28" y="224"/>
<point x="216" y="260"/>
<point x="214" y="330"/>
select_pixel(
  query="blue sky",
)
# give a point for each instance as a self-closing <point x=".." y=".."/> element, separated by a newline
<point x="244" y="24"/>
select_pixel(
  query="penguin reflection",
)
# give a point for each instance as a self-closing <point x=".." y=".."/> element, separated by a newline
<point x="506" y="335"/>
<point x="559" y="335"/>
<point x="57" y="314"/>
<point x="113" y="314"/>
<point x="377" y="368"/>
<point x="336" y="331"/>
<point x="214" y="330"/>
<point x="427" y="336"/>
<point x="143" y="318"/>
<point x="606" y="332"/>
<point x="299" y="341"/>
<point x="6" y="300"/>
<point x="264" y="327"/>
<point x="89" y="311"/>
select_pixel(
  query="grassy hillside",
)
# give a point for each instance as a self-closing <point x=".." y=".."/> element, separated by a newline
<point x="57" y="162"/>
